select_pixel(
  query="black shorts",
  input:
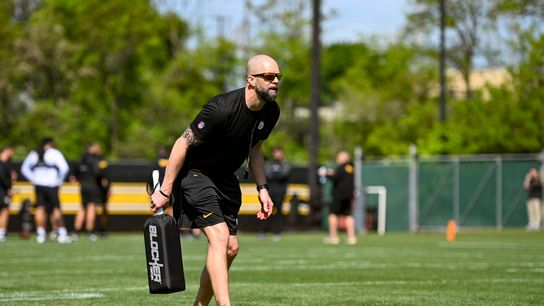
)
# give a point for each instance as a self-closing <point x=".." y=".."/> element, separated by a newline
<point x="203" y="201"/>
<point x="90" y="193"/>
<point x="4" y="199"/>
<point x="47" y="197"/>
<point x="341" y="207"/>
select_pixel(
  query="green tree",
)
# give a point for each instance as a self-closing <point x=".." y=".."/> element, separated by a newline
<point x="177" y="94"/>
<point x="284" y="35"/>
<point x="378" y="92"/>
<point x="88" y="59"/>
<point x="467" y="22"/>
<point x="10" y="109"/>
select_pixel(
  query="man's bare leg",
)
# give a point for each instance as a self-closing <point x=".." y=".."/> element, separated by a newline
<point x="4" y="218"/>
<point x="40" y="218"/>
<point x="216" y="265"/>
<point x="350" y="228"/>
<point x="58" y="224"/>
<point x="205" y="292"/>
<point x="333" y="228"/>
<point x="56" y="218"/>
<point x="78" y="221"/>
<point x="90" y="217"/>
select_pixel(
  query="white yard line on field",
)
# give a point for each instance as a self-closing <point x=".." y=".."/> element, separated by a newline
<point x="67" y="294"/>
<point x="349" y="265"/>
<point x="44" y="296"/>
<point x="490" y="245"/>
<point x="394" y="282"/>
<point x="76" y="259"/>
<point x="94" y="293"/>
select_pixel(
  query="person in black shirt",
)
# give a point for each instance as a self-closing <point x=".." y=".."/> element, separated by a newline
<point x="229" y="129"/>
<point x="7" y="176"/>
<point x="277" y="172"/>
<point x="105" y="191"/>
<point x="533" y="185"/>
<point x="343" y="191"/>
<point x="89" y="172"/>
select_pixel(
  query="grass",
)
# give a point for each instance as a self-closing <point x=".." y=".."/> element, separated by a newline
<point x="479" y="268"/>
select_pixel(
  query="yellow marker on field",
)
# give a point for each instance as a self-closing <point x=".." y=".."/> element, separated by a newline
<point x="451" y="230"/>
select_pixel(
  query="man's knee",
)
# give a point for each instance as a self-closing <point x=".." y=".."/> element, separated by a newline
<point x="218" y="235"/>
<point x="233" y="249"/>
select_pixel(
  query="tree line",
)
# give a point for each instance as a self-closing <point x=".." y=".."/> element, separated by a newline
<point x="124" y="74"/>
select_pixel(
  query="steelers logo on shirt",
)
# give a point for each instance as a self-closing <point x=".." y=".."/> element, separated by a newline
<point x="163" y="162"/>
<point x="102" y="164"/>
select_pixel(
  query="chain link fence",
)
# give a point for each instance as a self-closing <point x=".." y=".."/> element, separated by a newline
<point x="425" y="192"/>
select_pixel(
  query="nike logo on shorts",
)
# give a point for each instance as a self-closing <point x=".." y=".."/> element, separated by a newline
<point x="207" y="215"/>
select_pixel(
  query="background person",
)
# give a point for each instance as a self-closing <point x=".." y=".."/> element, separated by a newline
<point x="88" y="171"/>
<point x="343" y="192"/>
<point x="46" y="168"/>
<point x="277" y="172"/>
<point x="105" y="191"/>
<point x="7" y="177"/>
<point x="533" y="185"/>
<point x="229" y="129"/>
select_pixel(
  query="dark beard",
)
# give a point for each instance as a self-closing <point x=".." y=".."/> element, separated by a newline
<point x="263" y="94"/>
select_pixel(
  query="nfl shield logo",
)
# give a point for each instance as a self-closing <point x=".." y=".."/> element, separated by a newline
<point x="201" y="125"/>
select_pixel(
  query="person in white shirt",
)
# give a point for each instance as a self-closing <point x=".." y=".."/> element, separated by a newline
<point x="46" y="168"/>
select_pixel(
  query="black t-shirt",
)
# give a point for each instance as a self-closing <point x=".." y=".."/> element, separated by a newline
<point x="343" y="182"/>
<point x="5" y="176"/>
<point x="90" y="169"/>
<point x="535" y="189"/>
<point x="228" y="130"/>
<point x="277" y="174"/>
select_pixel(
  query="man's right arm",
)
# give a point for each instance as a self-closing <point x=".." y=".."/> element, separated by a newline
<point x="25" y="167"/>
<point x="175" y="162"/>
<point x="527" y="181"/>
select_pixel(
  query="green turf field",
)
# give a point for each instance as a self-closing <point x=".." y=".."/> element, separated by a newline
<point x="480" y="268"/>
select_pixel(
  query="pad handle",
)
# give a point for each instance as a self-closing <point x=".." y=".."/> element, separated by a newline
<point x="157" y="184"/>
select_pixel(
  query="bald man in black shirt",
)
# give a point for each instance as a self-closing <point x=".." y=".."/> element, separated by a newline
<point x="200" y="176"/>
<point x="343" y="191"/>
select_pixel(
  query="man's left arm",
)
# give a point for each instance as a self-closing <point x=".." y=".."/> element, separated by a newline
<point x="257" y="169"/>
<point x="63" y="166"/>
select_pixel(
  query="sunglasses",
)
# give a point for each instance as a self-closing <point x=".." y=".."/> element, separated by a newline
<point x="269" y="76"/>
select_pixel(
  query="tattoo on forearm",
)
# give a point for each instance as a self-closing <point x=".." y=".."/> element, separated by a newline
<point x="191" y="138"/>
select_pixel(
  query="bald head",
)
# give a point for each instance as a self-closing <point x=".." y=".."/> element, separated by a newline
<point x="94" y="148"/>
<point x="342" y="157"/>
<point x="262" y="81"/>
<point x="6" y="153"/>
<point x="262" y="63"/>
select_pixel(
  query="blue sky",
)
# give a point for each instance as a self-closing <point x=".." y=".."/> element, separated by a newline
<point x="352" y="19"/>
<point x="363" y="17"/>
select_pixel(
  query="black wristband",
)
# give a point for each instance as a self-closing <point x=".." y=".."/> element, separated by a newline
<point x="164" y="194"/>
<point x="263" y="186"/>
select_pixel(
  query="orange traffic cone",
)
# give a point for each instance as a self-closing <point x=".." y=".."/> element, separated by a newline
<point x="451" y="230"/>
